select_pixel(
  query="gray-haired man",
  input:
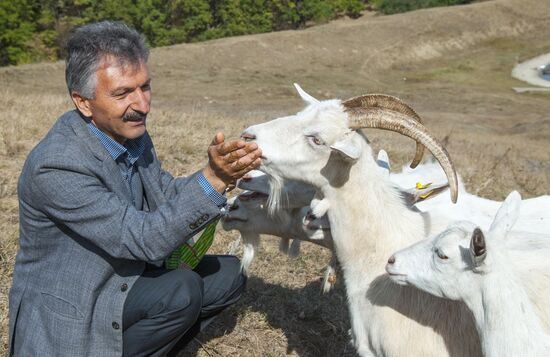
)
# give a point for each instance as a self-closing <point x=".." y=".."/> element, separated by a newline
<point x="98" y="215"/>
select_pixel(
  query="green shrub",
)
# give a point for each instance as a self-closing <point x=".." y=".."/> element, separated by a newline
<point x="16" y="32"/>
<point x="397" y="6"/>
<point x="32" y="30"/>
<point x="238" y="17"/>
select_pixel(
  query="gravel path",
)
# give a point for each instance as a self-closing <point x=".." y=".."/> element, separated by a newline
<point x="528" y="70"/>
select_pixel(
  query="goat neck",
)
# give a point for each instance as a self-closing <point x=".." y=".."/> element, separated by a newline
<point x="371" y="212"/>
<point x="369" y="219"/>
<point x="505" y="318"/>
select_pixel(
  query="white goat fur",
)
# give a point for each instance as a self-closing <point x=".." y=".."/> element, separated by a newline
<point x="534" y="214"/>
<point x="282" y="218"/>
<point x="491" y="281"/>
<point x="369" y="221"/>
<point x="252" y="217"/>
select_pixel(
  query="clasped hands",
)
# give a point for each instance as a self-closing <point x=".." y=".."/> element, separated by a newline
<point x="230" y="160"/>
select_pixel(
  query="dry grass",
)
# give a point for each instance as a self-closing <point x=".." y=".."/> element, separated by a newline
<point x="277" y="307"/>
<point x="23" y="120"/>
<point x="452" y="65"/>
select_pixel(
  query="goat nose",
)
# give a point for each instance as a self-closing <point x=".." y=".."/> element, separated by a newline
<point x="391" y="260"/>
<point x="246" y="136"/>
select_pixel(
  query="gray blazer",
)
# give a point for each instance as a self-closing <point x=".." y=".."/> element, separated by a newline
<point x="83" y="244"/>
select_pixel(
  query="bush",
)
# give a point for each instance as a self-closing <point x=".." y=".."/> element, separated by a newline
<point x="33" y="30"/>
<point x="238" y="17"/>
<point x="397" y="6"/>
<point x="16" y="32"/>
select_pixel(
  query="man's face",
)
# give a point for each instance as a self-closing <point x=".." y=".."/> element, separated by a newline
<point x="122" y="99"/>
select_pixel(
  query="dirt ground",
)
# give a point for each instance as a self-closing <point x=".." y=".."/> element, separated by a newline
<point x="451" y="64"/>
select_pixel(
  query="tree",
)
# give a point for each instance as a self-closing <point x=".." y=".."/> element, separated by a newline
<point x="16" y="31"/>
<point x="33" y="30"/>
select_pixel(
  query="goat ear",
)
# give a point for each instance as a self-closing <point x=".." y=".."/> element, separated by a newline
<point x="507" y="215"/>
<point x="347" y="148"/>
<point x="478" y="248"/>
<point x="306" y="97"/>
<point x="383" y="162"/>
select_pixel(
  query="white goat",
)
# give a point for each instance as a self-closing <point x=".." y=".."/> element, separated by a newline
<point x="463" y="263"/>
<point x="249" y="214"/>
<point x="369" y="220"/>
<point x="534" y="214"/>
<point x="278" y="197"/>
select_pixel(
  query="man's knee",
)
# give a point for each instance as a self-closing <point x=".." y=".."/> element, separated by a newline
<point x="175" y="310"/>
<point x="224" y="282"/>
<point x="232" y="265"/>
<point x="187" y="295"/>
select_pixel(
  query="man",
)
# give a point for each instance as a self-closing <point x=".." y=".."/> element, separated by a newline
<point x="98" y="215"/>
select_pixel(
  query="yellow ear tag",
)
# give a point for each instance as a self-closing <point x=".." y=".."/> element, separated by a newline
<point x="420" y="186"/>
<point x="424" y="196"/>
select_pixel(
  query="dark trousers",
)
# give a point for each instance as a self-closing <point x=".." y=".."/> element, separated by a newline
<point x="167" y="306"/>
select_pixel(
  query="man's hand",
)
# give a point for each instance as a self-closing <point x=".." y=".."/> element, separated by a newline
<point x="229" y="161"/>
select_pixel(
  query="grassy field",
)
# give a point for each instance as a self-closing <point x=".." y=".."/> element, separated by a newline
<point x="451" y="64"/>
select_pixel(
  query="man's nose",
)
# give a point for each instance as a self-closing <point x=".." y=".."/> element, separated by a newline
<point x="141" y="101"/>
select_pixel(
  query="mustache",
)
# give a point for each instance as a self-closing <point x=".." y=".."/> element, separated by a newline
<point x="134" y="116"/>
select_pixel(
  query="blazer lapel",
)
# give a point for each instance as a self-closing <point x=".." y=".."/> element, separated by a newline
<point x="111" y="170"/>
<point x="151" y="188"/>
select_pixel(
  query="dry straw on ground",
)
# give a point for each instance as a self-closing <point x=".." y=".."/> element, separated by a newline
<point x="451" y="64"/>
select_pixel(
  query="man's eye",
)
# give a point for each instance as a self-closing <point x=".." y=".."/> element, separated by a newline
<point x="146" y="87"/>
<point x="440" y="254"/>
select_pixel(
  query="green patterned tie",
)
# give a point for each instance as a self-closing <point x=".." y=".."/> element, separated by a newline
<point x="190" y="253"/>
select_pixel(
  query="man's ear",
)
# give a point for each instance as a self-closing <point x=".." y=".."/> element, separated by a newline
<point x="82" y="104"/>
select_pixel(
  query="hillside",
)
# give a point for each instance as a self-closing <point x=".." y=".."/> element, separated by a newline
<point x="451" y="64"/>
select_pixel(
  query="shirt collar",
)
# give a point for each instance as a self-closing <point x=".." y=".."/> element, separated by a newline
<point x="134" y="147"/>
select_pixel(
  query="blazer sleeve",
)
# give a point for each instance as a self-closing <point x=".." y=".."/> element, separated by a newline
<point x="170" y="186"/>
<point x="72" y="196"/>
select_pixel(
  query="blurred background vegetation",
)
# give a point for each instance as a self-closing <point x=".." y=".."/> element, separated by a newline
<point x="36" y="30"/>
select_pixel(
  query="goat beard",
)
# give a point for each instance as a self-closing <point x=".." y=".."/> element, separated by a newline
<point x="274" y="201"/>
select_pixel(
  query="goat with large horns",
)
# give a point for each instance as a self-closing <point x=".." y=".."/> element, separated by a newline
<point x="369" y="220"/>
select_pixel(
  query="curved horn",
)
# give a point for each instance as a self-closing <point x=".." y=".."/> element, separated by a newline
<point x="391" y="120"/>
<point x="391" y="103"/>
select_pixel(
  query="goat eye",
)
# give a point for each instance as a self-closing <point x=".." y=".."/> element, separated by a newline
<point x="441" y="255"/>
<point x="316" y="140"/>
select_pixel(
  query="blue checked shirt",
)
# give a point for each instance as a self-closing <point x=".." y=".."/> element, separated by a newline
<point x="128" y="155"/>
